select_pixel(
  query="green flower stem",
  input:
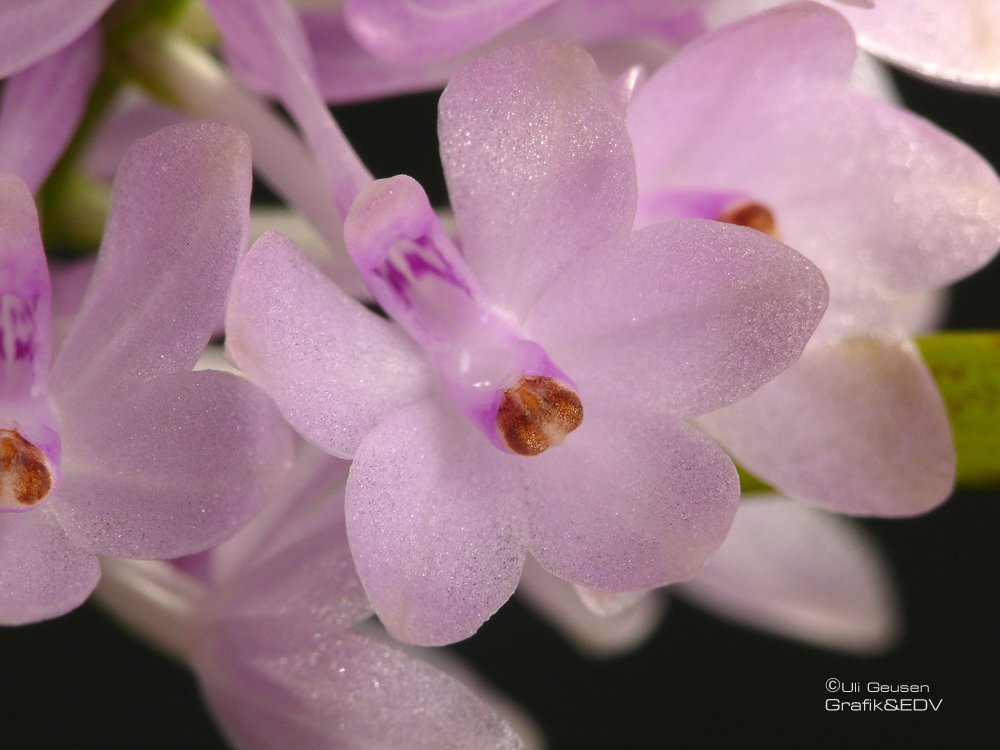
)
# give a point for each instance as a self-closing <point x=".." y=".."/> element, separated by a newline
<point x="966" y="367"/>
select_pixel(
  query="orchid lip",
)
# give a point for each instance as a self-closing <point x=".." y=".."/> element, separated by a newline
<point x="26" y="477"/>
<point x="502" y="381"/>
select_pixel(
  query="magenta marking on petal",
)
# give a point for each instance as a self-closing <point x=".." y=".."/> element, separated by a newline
<point x="17" y="328"/>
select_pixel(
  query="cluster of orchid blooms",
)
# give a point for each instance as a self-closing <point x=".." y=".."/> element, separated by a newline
<point x="680" y="233"/>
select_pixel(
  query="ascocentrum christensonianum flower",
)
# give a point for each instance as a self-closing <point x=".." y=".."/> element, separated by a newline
<point x="754" y="123"/>
<point x="554" y="323"/>
<point x="118" y="448"/>
<point x="272" y="622"/>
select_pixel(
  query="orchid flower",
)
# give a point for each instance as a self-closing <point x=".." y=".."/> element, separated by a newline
<point x="754" y="124"/>
<point x="553" y="312"/>
<point x="271" y="623"/>
<point x="117" y="448"/>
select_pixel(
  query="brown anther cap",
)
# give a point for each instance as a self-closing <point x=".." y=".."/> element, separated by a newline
<point x="754" y="215"/>
<point x="25" y="477"/>
<point x="536" y="414"/>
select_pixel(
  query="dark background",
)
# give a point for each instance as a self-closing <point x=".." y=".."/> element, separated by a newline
<point x="79" y="682"/>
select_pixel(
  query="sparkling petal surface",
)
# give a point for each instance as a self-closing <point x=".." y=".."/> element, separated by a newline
<point x="42" y="575"/>
<point x="334" y="368"/>
<point x="42" y="106"/>
<point x="959" y="42"/>
<point x="33" y="29"/>
<point x="538" y="166"/>
<point x="856" y="426"/>
<point x="687" y="317"/>
<point x="422" y="30"/>
<point x="864" y="190"/>
<point x="632" y="500"/>
<point x="169" y="467"/>
<point x="431" y="520"/>
<point x="800" y="573"/>
<point x="340" y="690"/>
<point x="178" y="223"/>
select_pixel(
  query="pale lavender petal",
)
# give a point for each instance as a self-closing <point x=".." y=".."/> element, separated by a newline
<point x="334" y="368"/>
<point x="689" y="316"/>
<point x="632" y="500"/>
<point x="739" y="68"/>
<point x="309" y="497"/>
<point x="421" y="30"/>
<point x="132" y="117"/>
<point x="42" y="574"/>
<point x="313" y="573"/>
<point x="800" y="573"/>
<point x="957" y="42"/>
<point x="538" y="165"/>
<point x="431" y="518"/>
<point x="274" y="684"/>
<point x="178" y="224"/>
<point x="347" y="72"/>
<point x="856" y="426"/>
<point x="170" y="466"/>
<point x="42" y="106"/>
<point x="555" y="600"/>
<point x="33" y="29"/>
<point x="864" y="190"/>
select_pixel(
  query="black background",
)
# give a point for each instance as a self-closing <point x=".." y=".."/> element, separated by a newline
<point x="79" y="682"/>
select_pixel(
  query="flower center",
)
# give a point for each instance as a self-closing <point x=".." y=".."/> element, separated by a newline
<point x="25" y="474"/>
<point x="536" y="414"/>
<point x="750" y="214"/>
<point x="503" y="382"/>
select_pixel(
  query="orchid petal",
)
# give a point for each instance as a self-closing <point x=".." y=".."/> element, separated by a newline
<point x="429" y="509"/>
<point x="42" y="575"/>
<point x="334" y="368"/>
<point x="178" y="223"/>
<point x="169" y="467"/>
<point x="958" y="43"/>
<point x="538" y="165"/>
<point x="42" y="106"/>
<point x="856" y="426"/>
<point x="69" y="287"/>
<point x="738" y="68"/>
<point x="422" y="30"/>
<point x="316" y="571"/>
<point x="338" y="690"/>
<point x="345" y="71"/>
<point x="630" y="501"/>
<point x="556" y="601"/>
<point x="800" y="573"/>
<point x="689" y="316"/>
<point x="33" y="29"/>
